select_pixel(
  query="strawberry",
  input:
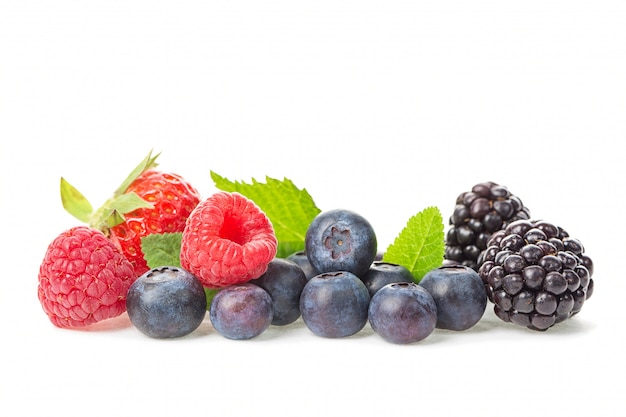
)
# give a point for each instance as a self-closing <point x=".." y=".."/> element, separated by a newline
<point x="83" y="279"/>
<point x="148" y="201"/>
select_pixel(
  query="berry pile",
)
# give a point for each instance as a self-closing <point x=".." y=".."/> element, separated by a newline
<point x="226" y="262"/>
<point x="87" y="270"/>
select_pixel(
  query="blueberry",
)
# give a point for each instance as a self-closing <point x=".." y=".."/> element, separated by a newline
<point x="241" y="311"/>
<point x="460" y="295"/>
<point x="284" y="281"/>
<point x="402" y="313"/>
<point x="300" y="259"/>
<point x="166" y="302"/>
<point x="334" y="304"/>
<point x="383" y="273"/>
<point x="340" y="240"/>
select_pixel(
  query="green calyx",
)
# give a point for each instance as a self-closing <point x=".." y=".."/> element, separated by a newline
<point x="112" y="212"/>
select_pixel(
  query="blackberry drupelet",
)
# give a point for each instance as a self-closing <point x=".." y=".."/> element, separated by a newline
<point x="478" y="213"/>
<point x="535" y="274"/>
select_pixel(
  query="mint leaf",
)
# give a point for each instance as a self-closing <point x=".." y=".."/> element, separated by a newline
<point x="289" y="208"/>
<point x="161" y="249"/>
<point x="420" y="245"/>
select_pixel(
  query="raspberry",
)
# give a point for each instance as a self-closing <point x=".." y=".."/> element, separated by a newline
<point x="536" y="274"/>
<point x="478" y="213"/>
<point x="227" y="240"/>
<point x="83" y="279"/>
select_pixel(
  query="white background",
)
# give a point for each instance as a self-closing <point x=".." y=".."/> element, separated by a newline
<point x="382" y="107"/>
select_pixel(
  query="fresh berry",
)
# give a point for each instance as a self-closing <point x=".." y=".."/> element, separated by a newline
<point x="383" y="273"/>
<point x="303" y="262"/>
<point x="173" y="199"/>
<point x="402" y="313"/>
<point x="148" y="201"/>
<point x="227" y="240"/>
<point x="284" y="281"/>
<point x="166" y="302"/>
<point x="334" y="304"/>
<point x="459" y="294"/>
<point x="536" y="274"/>
<point x="83" y="279"/>
<point x="241" y="311"/>
<point x="478" y="213"/>
<point x="340" y="240"/>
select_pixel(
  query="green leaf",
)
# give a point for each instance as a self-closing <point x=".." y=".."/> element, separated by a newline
<point x="148" y="162"/>
<point x="289" y="208"/>
<point x="420" y="245"/>
<point x="108" y="219"/>
<point x="75" y="202"/>
<point x="126" y="203"/>
<point x="112" y="212"/>
<point x="161" y="249"/>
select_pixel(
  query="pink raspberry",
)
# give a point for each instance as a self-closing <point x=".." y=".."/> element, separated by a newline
<point x="83" y="279"/>
<point x="227" y="240"/>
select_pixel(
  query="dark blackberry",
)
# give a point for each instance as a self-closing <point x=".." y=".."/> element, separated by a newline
<point x="535" y="274"/>
<point x="478" y="213"/>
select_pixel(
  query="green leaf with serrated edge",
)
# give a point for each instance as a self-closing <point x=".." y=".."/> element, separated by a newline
<point x="420" y="245"/>
<point x="289" y="208"/>
<point x="161" y="249"/>
<point x="75" y="202"/>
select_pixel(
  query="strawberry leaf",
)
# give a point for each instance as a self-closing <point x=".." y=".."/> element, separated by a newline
<point x="112" y="212"/>
<point x="148" y="162"/>
<point x="126" y="203"/>
<point x="420" y="245"/>
<point x="289" y="208"/>
<point x="75" y="202"/>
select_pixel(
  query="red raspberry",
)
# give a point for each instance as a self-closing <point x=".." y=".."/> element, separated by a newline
<point x="173" y="198"/>
<point x="227" y="240"/>
<point x="83" y="279"/>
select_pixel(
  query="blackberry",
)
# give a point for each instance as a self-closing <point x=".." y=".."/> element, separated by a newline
<point x="478" y="213"/>
<point x="535" y="274"/>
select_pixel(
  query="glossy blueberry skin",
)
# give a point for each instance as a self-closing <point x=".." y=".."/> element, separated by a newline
<point x="300" y="259"/>
<point x="284" y="281"/>
<point x="382" y="273"/>
<point x="166" y="302"/>
<point x="340" y="240"/>
<point x="402" y="313"/>
<point x="241" y="311"/>
<point x="460" y="296"/>
<point x="334" y="304"/>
